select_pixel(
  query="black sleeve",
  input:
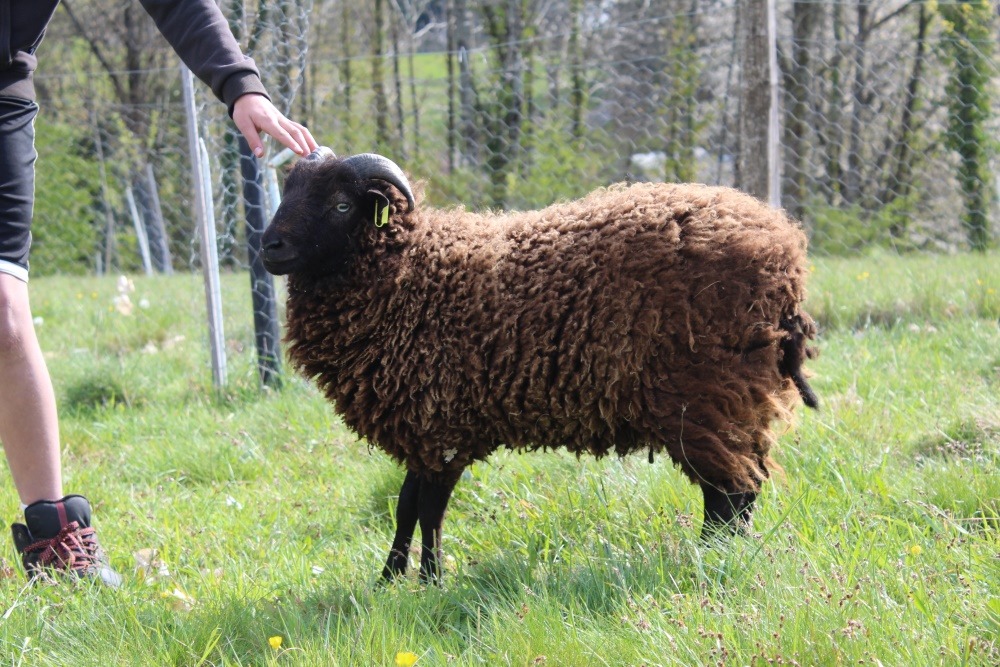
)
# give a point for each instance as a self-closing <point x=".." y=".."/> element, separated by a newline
<point x="200" y="34"/>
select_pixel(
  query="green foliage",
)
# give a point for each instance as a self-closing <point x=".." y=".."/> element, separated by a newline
<point x="848" y="230"/>
<point x="968" y="43"/>
<point x="560" y="169"/>
<point x="101" y="390"/>
<point x="444" y="189"/>
<point x="65" y="230"/>
<point x="682" y="124"/>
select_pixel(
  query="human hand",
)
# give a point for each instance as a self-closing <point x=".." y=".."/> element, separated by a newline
<point x="254" y="114"/>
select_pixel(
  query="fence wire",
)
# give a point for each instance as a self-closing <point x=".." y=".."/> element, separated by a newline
<point x="889" y="131"/>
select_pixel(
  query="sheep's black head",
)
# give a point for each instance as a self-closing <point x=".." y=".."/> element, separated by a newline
<point x="326" y="204"/>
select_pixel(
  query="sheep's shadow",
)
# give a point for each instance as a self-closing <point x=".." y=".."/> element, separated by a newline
<point x="599" y="583"/>
<point x="605" y="580"/>
<point x="337" y="612"/>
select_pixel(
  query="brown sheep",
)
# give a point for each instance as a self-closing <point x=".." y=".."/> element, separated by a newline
<point x="650" y="317"/>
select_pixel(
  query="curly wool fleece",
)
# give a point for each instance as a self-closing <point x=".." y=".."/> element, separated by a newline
<point x="641" y="317"/>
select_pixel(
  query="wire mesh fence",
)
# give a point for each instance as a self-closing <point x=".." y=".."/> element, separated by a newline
<point x="889" y="136"/>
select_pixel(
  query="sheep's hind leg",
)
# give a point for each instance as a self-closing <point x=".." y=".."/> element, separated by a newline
<point x="435" y="492"/>
<point x="406" y="522"/>
<point x="726" y="513"/>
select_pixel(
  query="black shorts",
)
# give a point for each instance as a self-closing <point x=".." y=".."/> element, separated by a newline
<point x="17" y="183"/>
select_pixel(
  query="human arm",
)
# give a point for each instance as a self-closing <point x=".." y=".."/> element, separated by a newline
<point x="200" y="34"/>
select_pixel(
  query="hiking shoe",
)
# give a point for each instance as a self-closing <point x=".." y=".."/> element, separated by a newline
<point x="57" y="538"/>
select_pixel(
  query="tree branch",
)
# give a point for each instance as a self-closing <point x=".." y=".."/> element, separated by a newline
<point x="876" y="24"/>
<point x="95" y="49"/>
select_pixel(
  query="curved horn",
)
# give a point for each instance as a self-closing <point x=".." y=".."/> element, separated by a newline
<point x="371" y="165"/>
<point x="320" y="154"/>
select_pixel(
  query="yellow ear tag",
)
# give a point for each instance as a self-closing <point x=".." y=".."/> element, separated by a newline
<point x="384" y="218"/>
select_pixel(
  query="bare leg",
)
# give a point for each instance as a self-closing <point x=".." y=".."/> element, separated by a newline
<point x="29" y="426"/>
<point x="406" y="522"/>
<point x="726" y="513"/>
<point x="434" y="496"/>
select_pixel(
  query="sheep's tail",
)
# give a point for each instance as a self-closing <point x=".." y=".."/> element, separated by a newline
<point x="799" y="328"/>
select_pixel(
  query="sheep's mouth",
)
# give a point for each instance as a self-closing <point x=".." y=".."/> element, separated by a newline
<point x="279" y="267"/>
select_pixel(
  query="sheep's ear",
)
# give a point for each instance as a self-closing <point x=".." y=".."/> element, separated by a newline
<point x="381" y="207"/>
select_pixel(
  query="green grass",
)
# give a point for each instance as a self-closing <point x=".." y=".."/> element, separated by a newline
<point x="879" y="545"/>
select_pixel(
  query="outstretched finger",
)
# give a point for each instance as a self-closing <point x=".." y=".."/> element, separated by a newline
<point x="286" y="139"/>
<point x="303" y="136"/>
<point x="252" y="134"/>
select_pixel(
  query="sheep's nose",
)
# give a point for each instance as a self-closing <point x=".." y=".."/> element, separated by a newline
<point x="271" y="248"/>
<point x="277" y="255"/>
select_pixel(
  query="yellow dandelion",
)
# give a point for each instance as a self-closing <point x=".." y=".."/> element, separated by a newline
<point x="406" y="659"/>
<point x="864" y="275"/>
<point x="915" y="550"/>
<point x="275" y="642"/>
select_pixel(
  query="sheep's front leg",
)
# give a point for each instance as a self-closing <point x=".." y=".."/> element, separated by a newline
<point x="406" y="522"/>
<point x="726" y="513"/>
<point x="434" y="495"/>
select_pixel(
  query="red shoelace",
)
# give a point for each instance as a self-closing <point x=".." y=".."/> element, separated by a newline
<point x="72" y="548"/>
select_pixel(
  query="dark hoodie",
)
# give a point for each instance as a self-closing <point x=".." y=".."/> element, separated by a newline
<point x="196" y="29"/>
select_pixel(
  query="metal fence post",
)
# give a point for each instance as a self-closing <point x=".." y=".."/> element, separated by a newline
<point x="162" y="245"/>
<point x="265" y="311"/>
<point x="207" y="237"/>
<point x="140" y="232"/>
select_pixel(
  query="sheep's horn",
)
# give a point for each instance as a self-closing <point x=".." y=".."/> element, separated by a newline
<point x="371" y="165"/>
<point x="321" y="153"/>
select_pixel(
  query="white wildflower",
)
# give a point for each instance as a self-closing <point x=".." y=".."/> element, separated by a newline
<point x="123" y="304"/>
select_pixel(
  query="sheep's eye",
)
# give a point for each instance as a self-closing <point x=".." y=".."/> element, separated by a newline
<point x="343" y="207"/>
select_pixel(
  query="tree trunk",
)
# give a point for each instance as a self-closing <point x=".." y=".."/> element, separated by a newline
<point x="859" y="104"/>
<point x="413" y="99"/>
<point x="755" y="99"/>
<point x="683" y="72"/>
<point x="806" y="16"/>
<point x="397" y="80"/>
<point x="382" y="138"/>
<point x="345" y="66"/>
<point x="899" y="183"/>
<point x="504" y="115"/>
<point x="230" y="175"/>
<point x="449" y="13"/>
<point x="576" y="69"/>
<point x="832" y="132"/>
<point x="466" y="86"/>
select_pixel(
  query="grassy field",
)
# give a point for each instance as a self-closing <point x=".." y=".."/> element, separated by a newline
<point x="249" y="516"/>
